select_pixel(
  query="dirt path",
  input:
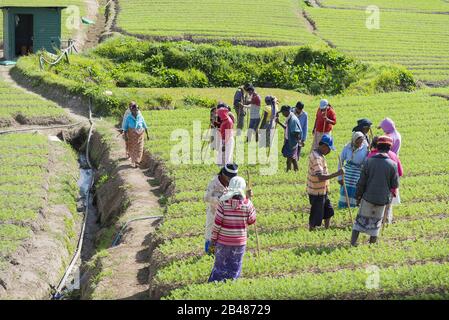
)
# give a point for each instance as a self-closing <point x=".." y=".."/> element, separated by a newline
<point x="94" y="32"/>
<point x="125" y="269"/>
<point x="311" y="26"/>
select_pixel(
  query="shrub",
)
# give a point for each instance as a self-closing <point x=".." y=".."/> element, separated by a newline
<point x="138" y="80"/>
<point x="187" y="78"/>
<point x="198" y="101"/>
<point x="394" y="79"/>
<point x="165" y="100"/>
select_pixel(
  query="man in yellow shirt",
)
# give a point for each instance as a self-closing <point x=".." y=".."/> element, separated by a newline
<point x="268" y="121"/>
<point x="318" y="184"/>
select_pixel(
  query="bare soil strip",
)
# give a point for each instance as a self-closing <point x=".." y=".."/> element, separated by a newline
<point x="121" y="272"/>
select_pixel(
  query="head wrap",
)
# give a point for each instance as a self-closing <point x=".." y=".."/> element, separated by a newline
<point x="230" y="170"/>
<point x="270" y="99"/>
<point x="387" y="125"/>
<point x="223" y="113"/>
<point x="223" y="105"/>
<point x="355" y="136"/>
<point x="362" y="123"/>
<point x="236" y="187"/>
<point x="385" y="140"/>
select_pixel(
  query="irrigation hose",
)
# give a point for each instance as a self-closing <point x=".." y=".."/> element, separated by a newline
<point x="40" y="128"/>
<point x="63" y="53"/>
<point x="58" y="292"/>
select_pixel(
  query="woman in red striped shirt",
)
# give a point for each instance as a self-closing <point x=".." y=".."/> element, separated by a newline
<point x="235" y="213"/>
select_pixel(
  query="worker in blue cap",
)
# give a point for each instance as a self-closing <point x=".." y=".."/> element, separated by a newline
<point x="318" y="184"/>
<point x="364" y="126"/>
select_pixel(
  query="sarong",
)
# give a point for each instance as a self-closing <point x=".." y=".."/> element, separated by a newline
<point x="135" y="144"/>
<point x="127" y="148"/>
<point x="224" y="158"/>
<point x="228" y="262"/>
<point x="266" y="135"/>
<point x="389" y="208"/>
<point x="290" y="152"/>
<point x="369" y="218"/>
<point x="352" y="176"/>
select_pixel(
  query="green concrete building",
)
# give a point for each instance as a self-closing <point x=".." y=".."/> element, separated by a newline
<point x="30" y="29"/>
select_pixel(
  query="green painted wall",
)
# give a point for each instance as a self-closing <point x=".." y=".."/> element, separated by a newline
<point x="46" y="24"/>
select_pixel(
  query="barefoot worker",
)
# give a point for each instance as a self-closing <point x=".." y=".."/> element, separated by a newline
<point x="396" y="198"/>
<point x="318" y="184"/>
<point x="292" y="137"/>
<point x="304" y="122"/>
<point x="134" y="128"/>
<point x="216" y="188"/>
<point x="374" y="191"/>
<point x="125" y="116"/>
<point x="235" y="213"/>
<point x="352" y="158"/>
<point x="325" y="120"/>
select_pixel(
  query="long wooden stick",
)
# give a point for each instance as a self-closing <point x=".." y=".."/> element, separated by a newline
<point x="384" y="219"/>
<point x="346" y="191"/>
<point x="272" y="134"/>
<point x="255" y="226"/>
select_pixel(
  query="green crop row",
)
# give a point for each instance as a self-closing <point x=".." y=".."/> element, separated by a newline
<point x="298" y="261"/>
<point x="18" y="102"/>
<point x="401" y="37"/>
<point x="266" y="21"/>
<point x="414" y="229"/>
<point x="24" y="163"/>
<point x="344" y="284"/>
<point x="402" y="5"/>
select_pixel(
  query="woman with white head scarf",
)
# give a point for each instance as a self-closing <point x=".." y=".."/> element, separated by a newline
<point x="235" y="213"/>
<point x="352" y="157"/>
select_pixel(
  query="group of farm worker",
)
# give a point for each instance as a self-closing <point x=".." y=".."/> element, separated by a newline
<point x="261" y="125"/>
<point x="368" y="173"/>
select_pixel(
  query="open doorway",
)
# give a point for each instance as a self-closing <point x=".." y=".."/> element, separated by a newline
<point x="24" y="34"/>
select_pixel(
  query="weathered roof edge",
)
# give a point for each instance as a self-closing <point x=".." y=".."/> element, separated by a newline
<point x="34" y="7"/>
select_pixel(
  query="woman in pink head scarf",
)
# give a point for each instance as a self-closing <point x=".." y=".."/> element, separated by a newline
<point x="388" y="126"/>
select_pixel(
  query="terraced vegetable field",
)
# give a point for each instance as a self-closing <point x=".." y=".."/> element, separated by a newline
<point x="18" y="106"/>
<point x="258" y="21"/>
<point x="415" y="40"/>
<point x="412" y="255"/>
<point x="27" y="190"/>
<point x="402" y="5"/>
